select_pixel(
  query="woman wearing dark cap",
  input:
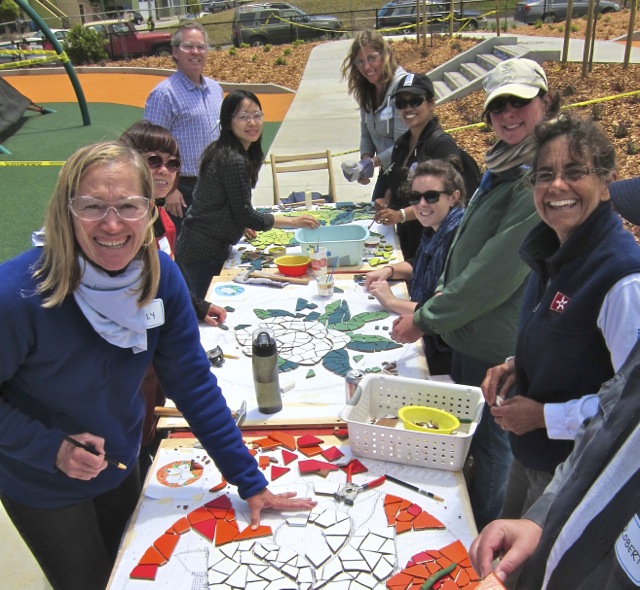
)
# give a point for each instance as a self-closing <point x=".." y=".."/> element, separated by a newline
<point x="477" y="303"/>
<point x="424" y="140"/>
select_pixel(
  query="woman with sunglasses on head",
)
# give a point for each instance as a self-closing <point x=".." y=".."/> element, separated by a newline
<point x="437" y="197"/>
<point x="478" y="299"/>
<point x="424" y="140"/>
<point x="82" y="318"/>
<point x="222" y="208"/>
<point x="372" y="74"/>
<point x="581" y="310"/>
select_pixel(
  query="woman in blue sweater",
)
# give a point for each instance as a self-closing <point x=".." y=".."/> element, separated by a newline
<point x="82" y="319"/>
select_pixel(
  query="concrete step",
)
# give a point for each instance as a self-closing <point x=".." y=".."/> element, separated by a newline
<point x="488" y="60"/>
<point x="455" y="80"/>
<point x="509" y="51"/>
<point x="472" y="70"/>
<point x="442" y="89"/>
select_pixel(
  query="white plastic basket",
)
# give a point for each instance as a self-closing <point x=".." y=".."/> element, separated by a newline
<point x="383" y="395"/>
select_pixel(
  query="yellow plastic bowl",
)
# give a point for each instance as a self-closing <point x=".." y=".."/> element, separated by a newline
<point x="292" y="266"/>
<point x="418" y="417"/>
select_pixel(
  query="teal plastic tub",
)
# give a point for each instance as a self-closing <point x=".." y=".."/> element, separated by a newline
<point x="344" y="242"/>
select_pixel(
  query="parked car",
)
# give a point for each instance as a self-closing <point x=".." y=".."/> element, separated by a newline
<point x="402" y="16"/>
<point x="551" y="11"/>
<point x="134" y="16"/>
<point x="37" y="39"/>
<point x="122" y="39"/>
<point x="214" y="6"/>
<point x="279" y="22"/>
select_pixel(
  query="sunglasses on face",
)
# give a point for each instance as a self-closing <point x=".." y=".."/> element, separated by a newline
<point x="171" y="164"/>
<point x="430" y="197"/>
<point x="414" y="102"/>
<point x="499" y="105"/>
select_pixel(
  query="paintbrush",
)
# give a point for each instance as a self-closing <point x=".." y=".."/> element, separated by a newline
<point x="415" y="488"/>
<point x="77" y="443"/>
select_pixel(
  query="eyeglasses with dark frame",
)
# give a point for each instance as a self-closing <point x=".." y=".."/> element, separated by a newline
<point x="574" y="173"/>
<point x="94" y="209"/>
<point x="172" y="164"/>
<point x="499" y="105"/>
<point x="430" y="197"/>
<point x="414" y="102"/>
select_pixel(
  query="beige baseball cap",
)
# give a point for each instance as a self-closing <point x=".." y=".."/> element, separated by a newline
<point x="517" y="76"/>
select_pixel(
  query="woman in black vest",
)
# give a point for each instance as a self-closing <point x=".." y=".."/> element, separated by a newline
<point x="581" y="310"/>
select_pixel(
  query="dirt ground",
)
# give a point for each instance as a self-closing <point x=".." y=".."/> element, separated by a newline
<point x="285" y="65"/>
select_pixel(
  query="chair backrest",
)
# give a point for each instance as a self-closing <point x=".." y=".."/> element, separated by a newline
<point x="302" y="163"/>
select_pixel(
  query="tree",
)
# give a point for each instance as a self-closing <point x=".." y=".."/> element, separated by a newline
<point x="84" y="46"/>
<point x="9" y="11"/>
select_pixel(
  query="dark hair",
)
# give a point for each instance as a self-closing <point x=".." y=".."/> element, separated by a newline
<point x="363" y="91"/>
<point x="228" y="142"/>
<point x="449" y="171"/>
<point x="586" y="140"/>
<point x="145" y="136"/>
<point x="552" y="110"/>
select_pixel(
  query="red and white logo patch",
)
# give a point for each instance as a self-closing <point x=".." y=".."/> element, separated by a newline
<point x="559" y="302"/>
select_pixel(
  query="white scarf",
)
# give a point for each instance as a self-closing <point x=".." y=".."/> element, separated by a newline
<point x="111" y="305"/>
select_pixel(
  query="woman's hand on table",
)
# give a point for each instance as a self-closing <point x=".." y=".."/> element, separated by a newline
<point x="174" y="203"/>
<point x="79" y="463"/>
<point x="519" y="415"/>
<point x="215" y="315"/>
<point x="281" y="502"/>
<point x="382" y="274"/>
<point x="382" y="292"/>
<point x="404" y="330"/>
<point x="305" y="221"/>
<point x="380" y="204"/>
<point x="512" y="540"/>
<point x="498" y="381"/>
<point x="250" y="234"/>
<point x="388" y="217"/>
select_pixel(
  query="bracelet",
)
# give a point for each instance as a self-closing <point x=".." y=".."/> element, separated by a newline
<point x="509" y="359"/>
<point x="403" y="215"/>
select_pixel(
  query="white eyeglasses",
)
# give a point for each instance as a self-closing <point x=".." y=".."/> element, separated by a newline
<point x="370" y="59"/>
<point x="93" y="209"/>
<point x="244" y="116"/>
<point x="189" y="47"/>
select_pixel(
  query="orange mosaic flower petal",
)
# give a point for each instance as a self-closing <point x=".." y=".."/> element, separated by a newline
<point x="403" y="527"/>
<point x="400" y="580"/>
<point x="417" y="571"/>
<point x="219" y="502"/>
<point x="491" y="582"/>
<point x="152" y="557"/>
<point x="285" y="439"/>
<point x="166" y="544"/>
<point x="265" y="443"/>
<point x="391" y="499"/>
<point x="391" y="510"/>
<point x="182" y="526"/>
<point x="455" y="552"/>
<point x="207" y="528"/>
<point x="311" y="450"/>
<point x="248" y="533"/>
<point x="226" y="531"/>
<point x="404" y="516"/>
<point x="199" y="514"/>
<point x="424" y="520"/>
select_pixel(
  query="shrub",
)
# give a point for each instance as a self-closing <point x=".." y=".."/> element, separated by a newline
<point x="254" y="57"/>
<point x="281" y="61"/>
<point x="632" y="148"/>
<point x="620" y="129"/>
<point x="267" y="48"/>
<point x="84" y="46"/>
<point x="286" y="52"/>
<point x="597" y="111"/>
<point x="297" y="42"/>
<point x="233" y="51"/>
<point x="244" y="45"/>
<point x="568" y="90"/>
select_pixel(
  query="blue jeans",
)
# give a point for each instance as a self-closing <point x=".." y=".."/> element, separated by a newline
<point x="198" y="274"/>
<point x="185" y="186"/>
<point x="76" y="546"/>
<point x="490" y="448"/>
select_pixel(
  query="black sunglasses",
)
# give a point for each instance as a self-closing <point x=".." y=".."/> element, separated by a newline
<point x="429" y="196"/>
<point x="414" y="103"/>
<point x="498" y="105"/>
<point x="155" y="162"/>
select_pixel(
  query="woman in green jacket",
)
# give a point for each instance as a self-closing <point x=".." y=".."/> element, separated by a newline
<point x="477" y="302"/>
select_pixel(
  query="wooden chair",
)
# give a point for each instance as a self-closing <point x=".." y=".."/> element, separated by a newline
<point x="302" y="163"/>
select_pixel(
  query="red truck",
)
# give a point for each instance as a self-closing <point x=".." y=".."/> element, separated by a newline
<point x="122" y="39"/>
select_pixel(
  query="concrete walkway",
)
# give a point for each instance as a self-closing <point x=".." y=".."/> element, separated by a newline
<point x="323" y="116"/>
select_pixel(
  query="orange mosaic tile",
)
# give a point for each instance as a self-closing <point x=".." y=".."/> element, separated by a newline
<point x="166" y="544"/>
<point x="277" y="471"/>
<point x="310" y="451"/>
<point x="288" y="457"/>
<point x="226" y="531"/>
<point x="144" y="572"/>
<point x="285" y="439"/>
<point x="424" y="520"/>
<point x="207" y="528"/>
<point x="308" y="440"/>
<point x="264" y="462"/>
<point x="152" y="557"/>
<point x="199" y="514"/>
<point x="249" y="533"/>
<point x="182" y="526"/>
<point x="491" y="582"/>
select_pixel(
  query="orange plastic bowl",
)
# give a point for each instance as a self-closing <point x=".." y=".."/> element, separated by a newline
<point x="292" y="266"/>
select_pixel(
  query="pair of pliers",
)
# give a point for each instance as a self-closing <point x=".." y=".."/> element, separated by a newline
<point x="349" y="491"/>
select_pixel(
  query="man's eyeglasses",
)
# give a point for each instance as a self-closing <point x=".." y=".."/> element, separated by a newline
<point x="570" y="174"/>
<point x="189" y="47"/>
<point x="244" y="116"/>
<point x="93" y="209"/>
<point x="414" y="102"/>
<point x="370" y="59"/>
<point x="499" y="104"/>
<point x="171" y="164"/>
<point x="430" y="197"/>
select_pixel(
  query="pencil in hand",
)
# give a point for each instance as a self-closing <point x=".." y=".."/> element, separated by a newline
<point x="77" y="443"/>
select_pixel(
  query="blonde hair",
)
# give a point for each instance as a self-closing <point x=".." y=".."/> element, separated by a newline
<point x="363" y="91"/>
<point x="58" y="269"/>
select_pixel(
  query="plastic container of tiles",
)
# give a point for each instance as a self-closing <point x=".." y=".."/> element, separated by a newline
<point x="344" y="242"/>
<point x="382" y="396"/>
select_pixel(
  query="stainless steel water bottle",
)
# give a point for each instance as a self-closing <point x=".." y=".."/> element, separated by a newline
<point x="265" y="371"/>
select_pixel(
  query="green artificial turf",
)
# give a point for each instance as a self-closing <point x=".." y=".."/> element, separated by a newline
<point x="25" y="190"/>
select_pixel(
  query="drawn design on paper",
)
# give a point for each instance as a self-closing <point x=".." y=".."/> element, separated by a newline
<point x="228" y="290"/>
<point x="179" y="474"/>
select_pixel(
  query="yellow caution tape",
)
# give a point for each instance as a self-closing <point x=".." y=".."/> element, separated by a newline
<point x="33" y="163"/>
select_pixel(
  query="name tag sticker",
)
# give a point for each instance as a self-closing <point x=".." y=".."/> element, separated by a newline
<point x="628" y="550"/>
<point x="386" y="113"/>
<point x="154" y="314"/>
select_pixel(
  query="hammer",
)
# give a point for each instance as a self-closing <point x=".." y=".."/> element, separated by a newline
<point x="254" y="274"/>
